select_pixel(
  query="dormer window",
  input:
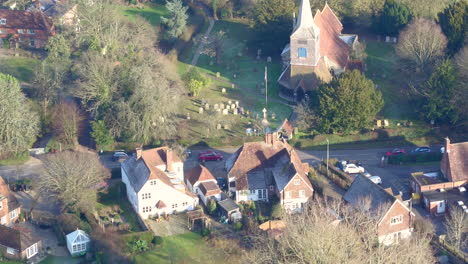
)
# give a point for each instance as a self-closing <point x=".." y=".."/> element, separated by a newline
<point x="2" y="21"/>
<point x="302" y="52"/>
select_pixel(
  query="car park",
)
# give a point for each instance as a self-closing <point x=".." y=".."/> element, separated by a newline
<point x="119" y="156"/>
<point x="395" y="152"/>
<point x="376" y="179"/>
<point x="353" y="168"/>
<point x="209" y="155"/>
<point x="421" y="150"/>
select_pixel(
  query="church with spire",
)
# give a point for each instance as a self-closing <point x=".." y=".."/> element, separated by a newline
<point x="316" y="52"/>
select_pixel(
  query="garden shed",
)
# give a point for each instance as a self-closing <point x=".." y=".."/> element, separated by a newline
<point x="78" y="242"/>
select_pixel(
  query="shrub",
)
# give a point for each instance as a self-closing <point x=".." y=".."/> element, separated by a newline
<point x="157" y="240"/>
<point x="277" y="211"/>
<point x="194" y="87"/>
<point x="238" y="226"/>
<point x="138" y="246"/>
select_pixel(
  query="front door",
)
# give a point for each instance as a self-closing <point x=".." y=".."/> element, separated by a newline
<point x="441" y="207"/>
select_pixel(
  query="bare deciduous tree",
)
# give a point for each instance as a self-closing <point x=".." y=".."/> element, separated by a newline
<point x="72" y="178"/>
<point x="66" y="122"/>
<point x="215" y="45"/>
<point x="319" y="236"/>
<point x="456" y="223"/>
<point x="461" y="62"/>
<point x="421" y="42"/>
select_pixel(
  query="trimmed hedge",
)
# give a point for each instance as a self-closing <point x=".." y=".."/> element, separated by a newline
<point x="415" y="158"/>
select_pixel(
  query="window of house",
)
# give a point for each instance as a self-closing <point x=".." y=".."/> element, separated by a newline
<point x="146" y="196"/>
<point x="20" y="31"/>
<point x="11" y="251"/>
<point x="302" y="193"/>
<point x="288" y="194"/>
<point x="260" y="194"/>
<point x="302" y="52"/>
<point x="74" y="248"/>
<point x="146" y="209"/>
<point x="264" y="194"/>
<point x="2" y="21"/>
<point x="152" y="182"/>
<point x="175" y="206"/>
<point x="31" y="31"/>
<point x="13" y="214"/>
<point x="31" y="251"/>
<point x="297" y="182"/>
<point x="252" y="191"/>
<point x="184" y="204"/>
<point x="396" y="220"/>
<point x="32" y="43"/>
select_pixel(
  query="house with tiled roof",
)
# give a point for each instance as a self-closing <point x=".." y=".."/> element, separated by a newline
<point x="317" y="51"/>
<point x="201" y="182"/>
<point x="10" y="208"/>
<point x="18" y="242"/>
<point x="154" y="179"/>
<point x="395" y="218"/>
<point x="286" y="129"/>
<point x="448" y="186"/>
<point x="25" y="28"/>
<point x="260" y="170"/>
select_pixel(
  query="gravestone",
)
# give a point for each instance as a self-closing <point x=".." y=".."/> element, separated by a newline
<point x="229" y="102"/>
<point x="233" y="85"/>
<point x="233" y="106"/>
<point x="207" y="106"/>
<point x="239" y="54"/>
<point x="237" y="103"/>
<point x="218" y="126"/>
<point x="188" y="116"/>
<point x="227" y="126"/>
<point x="200" y="110"/>
<point x="218" y="75"/>
<point x="225" y="111"/>
<point x="385" y="123"/>
<point x="268" y="59"/>
<point x="241" y="110"/>
<point x="235" y="111"/>
<point x="235" y="76"/>
<point x="218" y="110"/>
<point x="228" y="107"/>
<point x="379" y="123"/>
<point x="216" y="106"/>
<point x="273" y="116"/>
<point x="223" y="90"/>
<point x="221" y="106"/>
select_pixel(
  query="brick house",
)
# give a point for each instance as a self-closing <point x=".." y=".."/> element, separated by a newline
<point x="154" y="180"/>
<point x="25" y="28"/>
<point x="18" y="242"/>
<point x="259" y="170"/>
<point x="10" y="208"/>
<point x="448" y="186"/>
<point x="396" y="220"/>
<point x="201" y="182"/>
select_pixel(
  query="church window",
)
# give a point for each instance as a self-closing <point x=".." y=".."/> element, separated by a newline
<point x="302" y="52"/>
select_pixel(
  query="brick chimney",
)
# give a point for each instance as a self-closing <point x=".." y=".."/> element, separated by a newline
<point x="447" y="145"/>
<point x="139" y="152"/>
<point x="169" y="160"/>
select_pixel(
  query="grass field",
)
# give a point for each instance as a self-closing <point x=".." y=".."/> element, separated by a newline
<point x="184" y="248"/>
<point x="20" y="67"/>
<point x="152" y="12"/>
<point x="62" y="260"/>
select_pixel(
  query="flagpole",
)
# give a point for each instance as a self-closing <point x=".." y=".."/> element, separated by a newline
<point x="266" y="87"/>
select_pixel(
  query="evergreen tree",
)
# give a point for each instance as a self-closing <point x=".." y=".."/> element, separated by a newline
<point x="348" y="103"/>
<point x="393" y="17"/>
<point x="101" y="134"/>
<point x="439" y="94"/>
<point x="454" y="21"/>
<point x="19" y="125"/>
<point x="177" y="21"/>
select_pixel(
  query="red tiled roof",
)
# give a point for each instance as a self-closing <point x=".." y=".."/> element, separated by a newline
<point x="209" y="188"/>
<point x="330" y="43"/>
<point x="454" y="162"/>
<point x="160" y="204"/>
<point x="19" y="19"/>
<point x="288" y="127"/>
<point x="199" y="173"/>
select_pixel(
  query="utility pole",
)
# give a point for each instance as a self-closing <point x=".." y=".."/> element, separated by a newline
<point x="266" y="87"/>
<point x="328" y="153"/>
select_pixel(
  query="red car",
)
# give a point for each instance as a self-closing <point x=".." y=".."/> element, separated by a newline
<point x="395" y="152"/>
<point x="209" y="155"/>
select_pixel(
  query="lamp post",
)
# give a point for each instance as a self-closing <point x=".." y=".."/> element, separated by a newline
<point x="328" y="153"/>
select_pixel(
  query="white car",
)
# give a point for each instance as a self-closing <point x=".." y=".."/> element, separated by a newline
<point x="376" y="179"/>
<point x="353" y="168"/>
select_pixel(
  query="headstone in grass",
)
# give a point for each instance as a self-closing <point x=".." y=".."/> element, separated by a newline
<point x="237" y="103"/>
<point x="216" y="106"/>
<point x="233" y="106"/>
<point x="229" y="102"/>
<point x="218" y="126"/>
<point x="235" y="76"/>
<point x="235" y="111"/>
<point x="268" y="59"/>
<point x="410" y="124"/>
<point x="273" y="116"/>
<point x="223" y="90"/>
<point x="207" y="106"/>
<point x="379" y="123"/>
<point x="233" y="85"/>
<point x="239" y="54"/>
<point x="227" y="126"/>
<point x="385" y="122"/>
<point x="188" y="116"/>
<point x="218" y="110"/>
<point x="221" y="106"/>
<point x="228" y="107"/>
<point x="218" y="74"/>
<point x="225" y="111"/>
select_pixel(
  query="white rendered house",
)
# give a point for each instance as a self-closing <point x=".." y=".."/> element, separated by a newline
<point x="78" y="242"/>
<point x="154" y="179"/>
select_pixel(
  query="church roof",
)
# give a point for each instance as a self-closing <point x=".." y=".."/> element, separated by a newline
<point x="331" y="45"/>
<point x="305" y="26"/>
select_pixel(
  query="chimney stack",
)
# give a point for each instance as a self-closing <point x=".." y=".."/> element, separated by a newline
<point x="139" y="152"/>
<point x="447" y="145"/>
<point x="169" y="160"/>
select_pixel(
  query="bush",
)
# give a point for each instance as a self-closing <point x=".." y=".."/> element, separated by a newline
<point x="205" y="232"/>
<point x="157" y="240"/>
<point x="277" y="211"/>
<point x="136" y="246"/>
<point x="415" y="158"/>
<point x="195" y="81"/>
<point x="238" y="226"/>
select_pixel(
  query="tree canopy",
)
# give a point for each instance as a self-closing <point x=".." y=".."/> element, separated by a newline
<point x="19" y="125"/>
<point x="177" y="21"/>
<point x="393" y="17"/>
<point x="454" y="22"/>
<point x="348" y="103"/>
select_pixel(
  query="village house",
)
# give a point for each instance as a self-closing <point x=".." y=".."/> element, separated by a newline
<point x="259" y="170"/>
<point x="201" y="182"/>
<point x="20" y="28"/>
<point x="396" y="219"/>
<point x="317" y="50"/>
<point x="286" y="130"/>
<point x="448" y="186"/>
<point x="18" y="242"/>
<point x="10" y="208"/>
<point x="154" y="179"/>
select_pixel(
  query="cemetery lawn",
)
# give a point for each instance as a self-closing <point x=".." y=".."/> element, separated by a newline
<point x="185" y="248"/>
<point x="152" y="12"/>
<point x="21" y="68"/>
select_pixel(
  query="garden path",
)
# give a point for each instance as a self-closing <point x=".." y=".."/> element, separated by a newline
<point x="202" y="43"/>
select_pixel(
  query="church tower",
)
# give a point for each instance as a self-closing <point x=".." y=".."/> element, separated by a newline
<point x="304" y="41"/>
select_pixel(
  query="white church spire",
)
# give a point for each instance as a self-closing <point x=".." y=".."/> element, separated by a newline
<point x="305" y="19"/>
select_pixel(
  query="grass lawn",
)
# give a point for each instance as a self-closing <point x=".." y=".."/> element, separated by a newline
<point x="151" y="12"/>
<point x="20" y="67"/>
<point x="184" y="248"/>
<point x="62" y="260"/>
<point x="20" y="159"/>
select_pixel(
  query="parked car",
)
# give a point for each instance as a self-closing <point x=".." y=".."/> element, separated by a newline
<point x="209" y="155"/>
<point x="376" y="179"/>
<point x="421" y="150"/>
<point x="353" y="168"/>
<point x="119" y="156"/>
<point x="394" y="152"/>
